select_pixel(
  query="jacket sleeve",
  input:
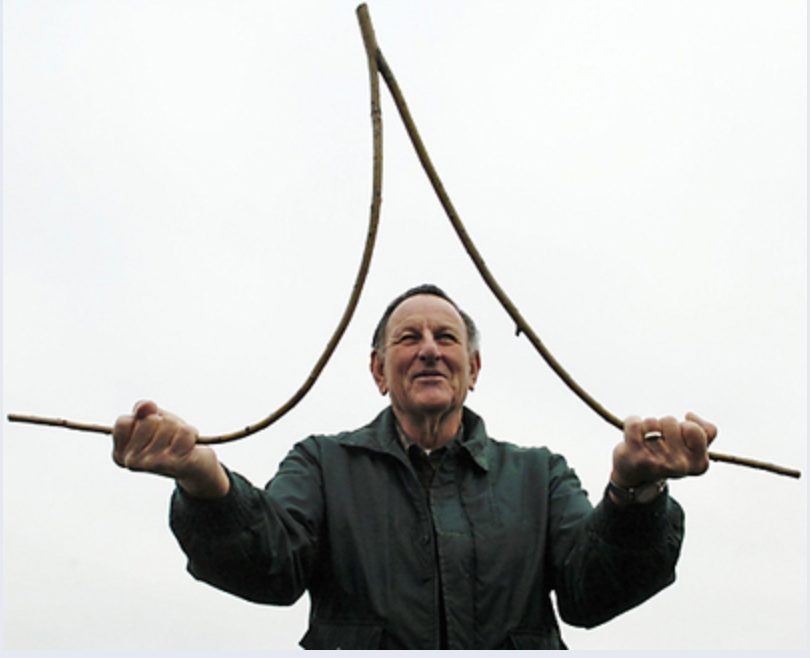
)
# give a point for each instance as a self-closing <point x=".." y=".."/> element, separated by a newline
<point x="608" y="559"/>
<point x="259" y="544"/>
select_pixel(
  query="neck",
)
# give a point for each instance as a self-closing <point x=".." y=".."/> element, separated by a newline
<point x="430" y="431"/>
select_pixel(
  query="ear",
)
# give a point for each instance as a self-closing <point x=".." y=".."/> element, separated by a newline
<point x="378" y="371"/>
<point x="475" y="368"/>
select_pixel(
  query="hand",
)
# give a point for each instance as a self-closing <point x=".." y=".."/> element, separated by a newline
<point x="681" y="449"/>
<point x="155" y="441"/>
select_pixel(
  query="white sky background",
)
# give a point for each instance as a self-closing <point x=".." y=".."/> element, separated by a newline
<point x="185" y="196"/>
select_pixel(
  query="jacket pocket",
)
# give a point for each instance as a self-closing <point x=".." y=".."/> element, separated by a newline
<point x="536" y="640"/>
<point x="342" y="635"/>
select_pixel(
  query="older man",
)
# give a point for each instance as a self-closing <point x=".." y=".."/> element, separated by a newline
<point x="419" y="531"/>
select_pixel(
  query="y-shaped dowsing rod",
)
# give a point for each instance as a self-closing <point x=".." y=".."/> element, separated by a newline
<point x="377" y="64"/>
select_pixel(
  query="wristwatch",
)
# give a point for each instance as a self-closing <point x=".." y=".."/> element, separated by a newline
<point x="643" y="493"/>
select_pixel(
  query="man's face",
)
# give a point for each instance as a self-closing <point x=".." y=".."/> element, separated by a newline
<point x="425" y="365"/>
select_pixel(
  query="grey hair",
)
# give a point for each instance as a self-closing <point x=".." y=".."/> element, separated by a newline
<point x="378" y="340"/>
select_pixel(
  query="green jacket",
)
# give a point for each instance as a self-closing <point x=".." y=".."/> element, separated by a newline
<point x="346" y="518"/>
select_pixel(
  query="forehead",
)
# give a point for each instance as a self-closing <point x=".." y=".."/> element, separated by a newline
<point x="424" y="310"/>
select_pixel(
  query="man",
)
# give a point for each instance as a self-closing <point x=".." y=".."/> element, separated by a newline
<point x="419" y="531"/>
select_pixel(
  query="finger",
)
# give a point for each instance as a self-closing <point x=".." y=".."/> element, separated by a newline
<point x="176" y="434"/>
<point x="171" y="417"/>
<point x="674" y="461"/>
<point x="633" y="462"/>
<point x="633" y="430"/>
<point x="661" y="439"/>
<point x="696" y="442"/>
<point x="671" y="429"/>
<point x="143" y="433"/>
<point x="152" y="456"/>
<point x="184" y="440"/>
<point x="144" y="408"/>
<point x="652" y="429"/>
<point x="125" y="441"/>
<point x="709" y="428"/>
<point x="162" y="433"/>
<point x="164" y="446"/>
<point x="122" y="433"/>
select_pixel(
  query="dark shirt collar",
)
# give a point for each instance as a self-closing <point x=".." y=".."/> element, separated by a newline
<point x="381" y="435"/>
<point x="406" y="442"/>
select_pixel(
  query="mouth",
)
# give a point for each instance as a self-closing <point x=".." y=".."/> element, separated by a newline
<point x="429" y="375"/>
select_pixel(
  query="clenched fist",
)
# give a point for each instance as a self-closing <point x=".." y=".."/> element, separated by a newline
<point x="155" y="441"/>
<point x="655" y="449"/>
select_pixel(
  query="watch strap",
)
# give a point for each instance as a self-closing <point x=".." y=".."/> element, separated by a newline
<point x="643" y="493"/>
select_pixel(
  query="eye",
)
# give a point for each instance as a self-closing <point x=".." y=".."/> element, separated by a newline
<point x="407" y="338"/>
<point x="447" y="337"/>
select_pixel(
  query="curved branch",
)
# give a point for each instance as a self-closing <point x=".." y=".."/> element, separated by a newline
<point x="370" y="43"/>
<point x="521" y="324"/>
<point x="483" y="270"/>
<point x="374" y="220"/>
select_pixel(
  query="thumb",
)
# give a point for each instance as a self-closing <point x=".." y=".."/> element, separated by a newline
<point x="709" y="428"/>
<point x="144" y="408"/>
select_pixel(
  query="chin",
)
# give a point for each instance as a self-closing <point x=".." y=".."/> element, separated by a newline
<point x="434" y="406"/>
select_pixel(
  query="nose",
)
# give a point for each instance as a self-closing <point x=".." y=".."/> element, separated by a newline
<point x="429" y="348"/>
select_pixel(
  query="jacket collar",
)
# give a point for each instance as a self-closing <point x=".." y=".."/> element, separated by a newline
<point x="380" y="435"/>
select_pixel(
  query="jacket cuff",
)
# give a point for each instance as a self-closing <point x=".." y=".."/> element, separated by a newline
<point x="638" y="526"/>
<point x="219" y="516"/>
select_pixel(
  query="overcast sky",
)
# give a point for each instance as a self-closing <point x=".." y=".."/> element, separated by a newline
<point x="186" y="188"/>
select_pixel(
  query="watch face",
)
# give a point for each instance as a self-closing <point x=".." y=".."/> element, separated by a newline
<point x="646" y="493"/>
<point x="650" y="492"/>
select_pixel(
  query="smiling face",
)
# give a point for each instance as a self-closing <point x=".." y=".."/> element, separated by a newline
<point x="425" y="364"/>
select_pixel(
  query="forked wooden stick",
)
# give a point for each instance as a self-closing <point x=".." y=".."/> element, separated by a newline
<point x="377" y="63"/>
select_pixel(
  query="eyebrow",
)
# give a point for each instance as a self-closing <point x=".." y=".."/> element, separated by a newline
<point x="417" y="328"/>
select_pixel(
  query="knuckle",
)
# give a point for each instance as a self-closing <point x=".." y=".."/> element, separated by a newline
<point x="131" y="462"/>
<point x="119" y="461"/>
<point x="146" y="461"/>
<point x="649" y="423"/>
<point x="141" y="462"/>
<point x="701" y="465"/>
<point x="632" y="422"/>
